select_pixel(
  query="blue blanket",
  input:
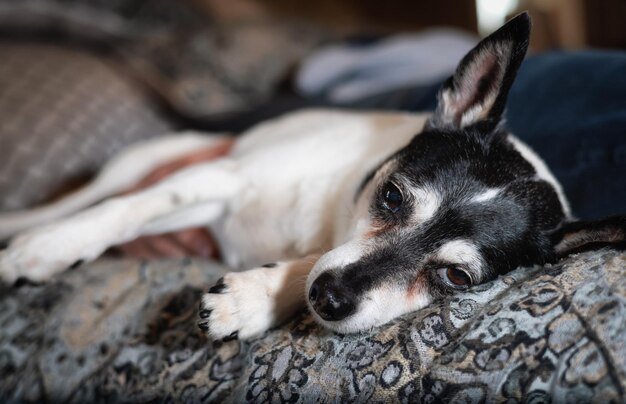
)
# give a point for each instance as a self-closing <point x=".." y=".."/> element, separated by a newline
<point x="571" y="108"/>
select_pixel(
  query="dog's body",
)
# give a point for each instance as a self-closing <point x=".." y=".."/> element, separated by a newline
<point x="357" y="216"/>
<point x="295" y="187"/>
<point x="301" y="182"/>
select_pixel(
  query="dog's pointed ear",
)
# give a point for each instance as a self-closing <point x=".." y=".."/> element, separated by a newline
<point x="582" y="236"/>
<point x="478" y="89"/>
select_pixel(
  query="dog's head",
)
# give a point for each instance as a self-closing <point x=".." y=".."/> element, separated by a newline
<point x="463" y="202"/>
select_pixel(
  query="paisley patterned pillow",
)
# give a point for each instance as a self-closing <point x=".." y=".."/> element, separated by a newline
<point x="125" y="331"/>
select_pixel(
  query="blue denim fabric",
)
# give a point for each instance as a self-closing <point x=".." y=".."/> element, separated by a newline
<point x="571" y="108"/>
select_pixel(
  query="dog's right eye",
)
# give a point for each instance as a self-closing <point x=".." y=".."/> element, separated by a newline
<point x="455" y="276"/>
<point x="392" y="197"/>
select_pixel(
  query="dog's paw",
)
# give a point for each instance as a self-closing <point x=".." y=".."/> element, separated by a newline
<point x="38" y="255"/>
<point x="241" y="304"/>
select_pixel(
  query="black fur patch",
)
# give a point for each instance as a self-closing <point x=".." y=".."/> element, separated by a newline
<point x="512" y="229"/>
<point x="576" y="237"/>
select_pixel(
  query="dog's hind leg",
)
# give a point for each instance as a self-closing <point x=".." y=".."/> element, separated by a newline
<point x="248" y="303"/>
<point x="41" y="252"/>
<point x="119" y="174"/>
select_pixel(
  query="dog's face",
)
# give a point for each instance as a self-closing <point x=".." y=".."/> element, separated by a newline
<point x="462" y="203"/>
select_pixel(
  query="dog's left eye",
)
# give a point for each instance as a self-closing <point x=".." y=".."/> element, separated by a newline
<point x="392" y="197"/>
<point x="455" y="276"/>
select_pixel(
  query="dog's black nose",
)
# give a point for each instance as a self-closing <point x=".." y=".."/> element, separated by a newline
<point x="328" y="300"/>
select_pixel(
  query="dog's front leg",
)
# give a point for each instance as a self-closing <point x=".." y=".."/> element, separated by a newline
<point x="44" y="251"/>
<point x="246" y="304"/>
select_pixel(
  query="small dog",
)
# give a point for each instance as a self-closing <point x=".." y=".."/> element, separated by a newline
<point x="362" y="219"/>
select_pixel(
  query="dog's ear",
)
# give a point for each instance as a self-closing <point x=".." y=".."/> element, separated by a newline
<point x="582" y="236"/>
<point x="478" y="89"/>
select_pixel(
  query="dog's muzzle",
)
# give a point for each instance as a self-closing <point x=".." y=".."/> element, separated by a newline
<point x="330" y="301"/>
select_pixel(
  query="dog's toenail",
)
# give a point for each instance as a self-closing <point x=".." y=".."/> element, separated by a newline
<point x="23" y="281"/>
<point x="218" y="288"/>
<point x="203" y="325"/>
<point x="231" y="337"/>
<point x="204" y="313"/>
<point x="76" y="264"/>
<point x="270" y="265"/>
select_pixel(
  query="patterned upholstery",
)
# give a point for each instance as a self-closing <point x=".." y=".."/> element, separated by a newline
<point x="124" y="331"/>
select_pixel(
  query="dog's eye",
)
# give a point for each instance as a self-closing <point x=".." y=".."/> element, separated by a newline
<point x="455" y="276"/>
<point x="392" y="197"/>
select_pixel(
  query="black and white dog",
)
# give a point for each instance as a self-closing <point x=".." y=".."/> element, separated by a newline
<point x="364" y="216"/>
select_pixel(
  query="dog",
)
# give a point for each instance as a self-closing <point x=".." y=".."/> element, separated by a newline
<point x="362" y="216"/>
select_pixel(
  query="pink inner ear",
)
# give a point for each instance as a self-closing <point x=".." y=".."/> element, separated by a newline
<point x="477" y="84"/>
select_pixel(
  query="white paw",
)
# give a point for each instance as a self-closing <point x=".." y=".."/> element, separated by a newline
<point x="40" y="254"/>
<point x="244" y="304"/>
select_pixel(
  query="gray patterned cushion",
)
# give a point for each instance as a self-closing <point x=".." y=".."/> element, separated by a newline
<point x="125" y="331"/>
<point x="201" y="67"/>
<point x="63" y="113"/>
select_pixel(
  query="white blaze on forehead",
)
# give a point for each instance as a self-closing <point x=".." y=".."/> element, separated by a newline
<point x="486" y="196"/>
<point x="460" y="252"/>
<point x="427" y="203"/>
